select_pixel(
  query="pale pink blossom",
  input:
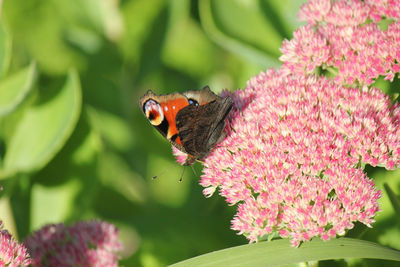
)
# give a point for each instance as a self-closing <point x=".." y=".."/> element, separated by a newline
<point x="12" y="253"/>
<point x="93" y="243"/>
<point x="340" y="13"/>
<point x="180" y="156"/>
<point x="291" y="161"/>
<point x="314" y="11"/>
<point x="380" y="9"/>
<point x="345" y="38"/>
<point x="347" y="13"/>
<point x="305" y="52"/>
<point x="297" y="141"/>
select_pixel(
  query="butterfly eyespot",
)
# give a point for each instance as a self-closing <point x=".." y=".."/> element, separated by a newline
<point x="193" y="102"/>
<point x="154" y="112"/>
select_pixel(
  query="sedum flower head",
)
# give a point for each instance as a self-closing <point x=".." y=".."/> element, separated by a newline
<point x="346" y="37"/>
<point x="292" y="158"/>
<point x="93" y="243"/>
<point x="297" y="142"/>
<point x="12" y="253"/>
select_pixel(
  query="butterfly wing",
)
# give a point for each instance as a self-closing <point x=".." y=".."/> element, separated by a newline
<point x="161" y="110"/>
<point x="202" y="96"/>
<point x="201" y="127"/>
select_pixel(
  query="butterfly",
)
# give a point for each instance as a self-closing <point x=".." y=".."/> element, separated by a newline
<point x="193" y="121"/>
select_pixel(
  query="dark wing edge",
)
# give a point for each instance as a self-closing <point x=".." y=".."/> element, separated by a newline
<point x="201" y="128"/>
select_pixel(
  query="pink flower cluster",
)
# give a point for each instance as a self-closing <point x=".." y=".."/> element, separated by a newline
<point x="93" y="243"/>
<point x="345" y="37"/>
<point x="293" y="154"/>
<point x="297" y="142"/>
<point x="12" y="253"/>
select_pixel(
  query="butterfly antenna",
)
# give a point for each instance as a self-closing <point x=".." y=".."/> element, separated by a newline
<point x="194" y="171"/>
<point x="184" y="168"/>
<point x="164" y="171"/>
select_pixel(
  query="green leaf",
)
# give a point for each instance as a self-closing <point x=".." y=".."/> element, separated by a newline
<point x="42" y="33"/>
<point x="47" y="200"/>
<point x="139" y="18"/>
<point x="70" y="180"/>
<point x="5" y="50"/>
<point x="393" y="198"/>
<point x="43" y="129"/>
<point x="115" y="131"/>
<point x="242" y="29"/>
<point x="186" y="47"/>
<point x="15" y="88"/>
<point x="116" y="174"/>
<point x="279" y="252"/>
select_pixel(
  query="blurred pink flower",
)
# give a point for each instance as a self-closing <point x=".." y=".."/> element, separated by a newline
<point x="12" y="253"/>
<point x="180" y="156"/>
<point x="93" y="243"/>
<point x="345" y="36"/>
<point x="379" y="9"/>
<point x="292" y="157"/>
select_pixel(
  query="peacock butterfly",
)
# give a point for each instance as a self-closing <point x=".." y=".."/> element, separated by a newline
<point x="193" y="121"/>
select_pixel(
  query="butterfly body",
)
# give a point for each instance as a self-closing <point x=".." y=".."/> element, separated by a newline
<point x="193" y="121"/>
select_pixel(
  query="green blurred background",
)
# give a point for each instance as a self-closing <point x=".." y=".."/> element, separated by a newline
<point x="74" y="144"/>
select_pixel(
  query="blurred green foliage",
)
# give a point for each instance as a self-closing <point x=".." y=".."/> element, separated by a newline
<point x="74" y="144"/>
